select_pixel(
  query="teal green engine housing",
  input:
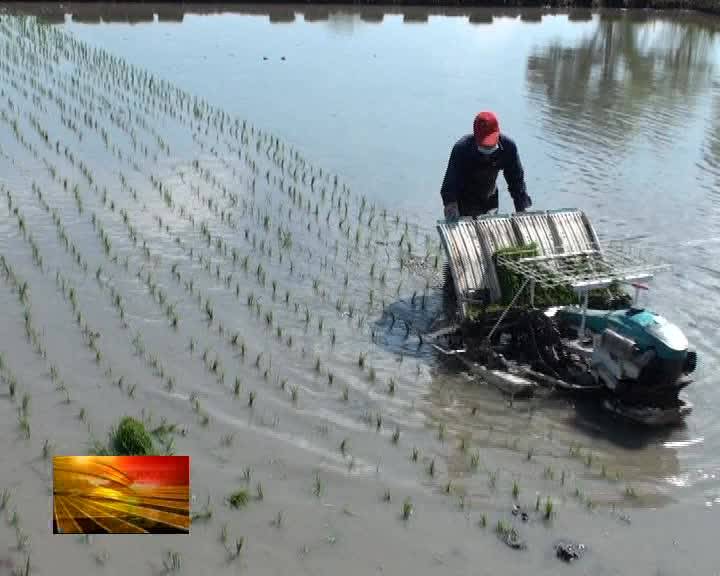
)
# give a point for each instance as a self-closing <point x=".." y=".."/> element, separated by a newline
<point x="635" y="344"/>
<point x="645" y="328"/>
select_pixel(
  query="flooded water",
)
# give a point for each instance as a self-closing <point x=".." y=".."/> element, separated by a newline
<point x="199" y="227"/>
<point x="617" y="114"/>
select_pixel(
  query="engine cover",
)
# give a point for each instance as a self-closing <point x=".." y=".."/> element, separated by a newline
<point x="616" y="358"/>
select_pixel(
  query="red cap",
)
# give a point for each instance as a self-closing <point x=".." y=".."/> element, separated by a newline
<point x="486" y="129"/>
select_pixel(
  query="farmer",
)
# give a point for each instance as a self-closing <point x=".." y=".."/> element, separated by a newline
<point x="469" y="187"/>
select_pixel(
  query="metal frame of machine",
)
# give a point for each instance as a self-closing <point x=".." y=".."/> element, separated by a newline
<point x="571" y="254"/>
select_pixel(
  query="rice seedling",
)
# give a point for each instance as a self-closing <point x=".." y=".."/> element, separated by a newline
<point x="251" y="398"/>
<point x="463" y="445"/>
<point x="415" y="454"/>
<point x="431" y="468"/>
<point x="25" y="570"/>
<point x="47" y="449"/>
<point x="507" y="533"/>
<point x="259" y="494"/>
<point x="4" y="498"/>
<point x="237" y="548"/>
<point x="530" y="452"/>
<point x="239" y="498"/>
<point x="223" y="534"/>
<point x="331" y="378"/>
<point x="548" y="511"/>
<point x="22" y="539"/>
<point x="588" y="459"/>
<point x="172" y="562"/>
<point x="24" y="424"/>
<point x="441" y="431"/>
<point x="474" y="460"/>
<point x="630" y="492"/>
<point x="102" y="557"/>
<point x="14" y="520"/>
<point x="515" y="490"/>
<point x="407" y="509"/>
<point x="25" y="405"/>
<point x="361" y="360"/>
<point x="392" y="386"/>
<point x="448" y="487"/>
<point x="227" y="440"/>
<point x="317" y="486"/>
<point x="396" y="435"/>
<point x="294" y="392"/>
<point x="345" y="394"/>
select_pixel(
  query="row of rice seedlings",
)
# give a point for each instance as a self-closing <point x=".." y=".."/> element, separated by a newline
<point x="24" y="408"/>
<point x="153" y="362"/>
<point x="90" y="336"/>
<point x="21" y="287"/>
<point x="117" y="302"/>
<point x="208" y="308"/>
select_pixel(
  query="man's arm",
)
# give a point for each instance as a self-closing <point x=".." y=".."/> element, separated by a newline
<point x="451" y="184"/>
<point x="515" y="177"/>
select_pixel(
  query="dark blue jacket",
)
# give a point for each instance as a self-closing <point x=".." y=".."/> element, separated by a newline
<point x="470" y="178"/>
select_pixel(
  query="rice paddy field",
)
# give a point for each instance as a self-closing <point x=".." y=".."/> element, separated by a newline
<point x="169" y="260"/>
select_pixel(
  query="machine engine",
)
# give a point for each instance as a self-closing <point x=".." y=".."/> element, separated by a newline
<point x="636" y="354"/>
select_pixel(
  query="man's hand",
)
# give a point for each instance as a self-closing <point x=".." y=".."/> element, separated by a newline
<point x="452" y="212"/>
<point x="522" y="203"/>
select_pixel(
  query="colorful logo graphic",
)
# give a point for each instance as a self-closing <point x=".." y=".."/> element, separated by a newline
<point x="121" y="494"/>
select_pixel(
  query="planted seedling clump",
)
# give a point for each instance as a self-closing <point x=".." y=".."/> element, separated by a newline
<point x="130" y="438"/>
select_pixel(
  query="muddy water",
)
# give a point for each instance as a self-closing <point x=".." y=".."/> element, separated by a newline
<point x="180" y="226"/>
<point x="616" y="114"/>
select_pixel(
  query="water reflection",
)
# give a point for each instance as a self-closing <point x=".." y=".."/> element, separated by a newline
<point x="711" y="154"/>
<point x="132" y="13"/>
<point x="606" y="85"/>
